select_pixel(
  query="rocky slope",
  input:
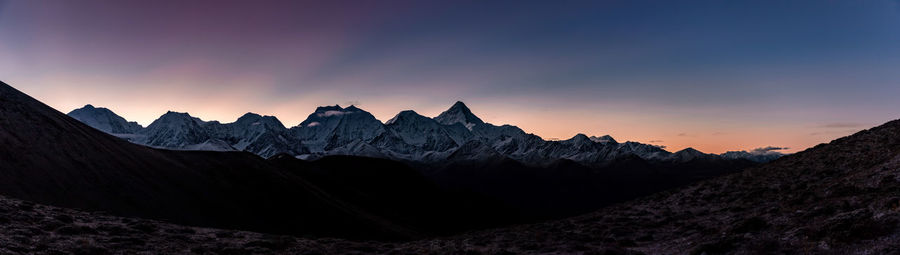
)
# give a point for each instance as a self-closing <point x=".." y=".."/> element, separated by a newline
<point x="29" y="228"/>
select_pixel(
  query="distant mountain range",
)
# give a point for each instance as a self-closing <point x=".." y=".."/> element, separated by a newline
<point x="455" y="135"/>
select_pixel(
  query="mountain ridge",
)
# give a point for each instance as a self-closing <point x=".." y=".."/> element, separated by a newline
<point x="105" y="120"/>
<point x="408" y="136"/>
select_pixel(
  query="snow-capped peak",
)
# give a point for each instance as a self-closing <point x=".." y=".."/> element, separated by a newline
<point x="249" y="115"/>
<point x="689" y="154"/>
<point x="580" y="138"/>
<point x="172" y="117"/>
<point x="352" y="108"/>
<point x="603" y="139"/>
<point x="329" y="108"/>
<point x="332" y="127"/>
<point x="174" y="130"/>
<point x="104" y="120"/>
<point x="757" y="155"/>
<point x="328" y="112"/>
<point x="404" y="116"/>
<point x="459" y="113"/>
<point x="690" y="151"/>
<point x="250" y="119"/>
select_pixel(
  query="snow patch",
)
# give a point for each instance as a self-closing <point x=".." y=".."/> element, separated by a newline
<point x="331" y="113"/>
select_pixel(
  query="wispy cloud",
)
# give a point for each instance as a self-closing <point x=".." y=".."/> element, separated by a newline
<point x="834" y="132"/>
<point x="842" y="125"/>
<point x="767" y="149"/>
<point x="655" y="141"/>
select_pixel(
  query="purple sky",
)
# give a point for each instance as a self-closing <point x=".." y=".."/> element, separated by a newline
<point x="714" y="75"/>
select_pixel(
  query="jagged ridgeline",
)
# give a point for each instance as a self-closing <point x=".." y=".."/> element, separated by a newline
<point x="409" y="136"/>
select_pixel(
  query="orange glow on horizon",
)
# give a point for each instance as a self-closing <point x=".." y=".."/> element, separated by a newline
<point x="227" y="104"/>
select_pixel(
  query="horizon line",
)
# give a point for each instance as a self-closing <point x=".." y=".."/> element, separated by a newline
<point x="552" y="139"/>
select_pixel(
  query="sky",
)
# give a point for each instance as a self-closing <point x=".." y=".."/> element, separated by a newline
<point x="713" y="75"/>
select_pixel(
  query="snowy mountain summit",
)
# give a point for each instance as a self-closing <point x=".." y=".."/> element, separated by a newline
<point x="459" y="113"/>
<point x="104" y="120"/>
<point x="338" y="129"/>
<point x="174" y="130"/>
<point x="457" y="134"/>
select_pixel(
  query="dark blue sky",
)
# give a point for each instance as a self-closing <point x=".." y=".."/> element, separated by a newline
<point x="716" y="75"/>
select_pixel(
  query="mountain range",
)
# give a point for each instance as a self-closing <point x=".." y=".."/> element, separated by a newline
<point x="458" y="151"/>
<point x="835" y="198"/>
<point x="455" y="134"/>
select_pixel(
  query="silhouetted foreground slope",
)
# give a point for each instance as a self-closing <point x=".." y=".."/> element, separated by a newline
<point x="28" y="228"/>
<point x="48" y="157"/>
<point x="566" y="188"/>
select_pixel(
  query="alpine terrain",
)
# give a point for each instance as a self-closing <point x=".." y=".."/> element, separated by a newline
<point x="836" y="198"/>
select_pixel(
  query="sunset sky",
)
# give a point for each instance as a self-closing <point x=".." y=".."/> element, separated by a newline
<point x="713" y="75"/>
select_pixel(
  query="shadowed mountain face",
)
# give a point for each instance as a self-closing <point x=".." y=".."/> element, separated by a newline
<point x="48" y="157"/>
<point x="394" y="191"/>
<point x="567" y="188"/>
